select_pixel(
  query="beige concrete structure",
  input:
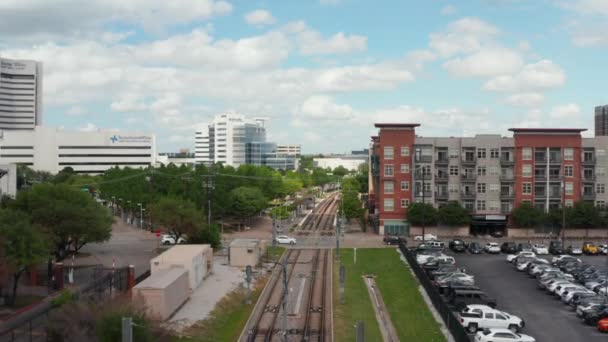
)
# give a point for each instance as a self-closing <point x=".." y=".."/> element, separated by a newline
<point x="197" y="260"/>
<point x="163" y="292"/>
<point x="246" y="252"/>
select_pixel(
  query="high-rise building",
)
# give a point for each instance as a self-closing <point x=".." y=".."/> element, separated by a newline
<point x="20" y="94"/>
<point x="601" y="120"/>
<point x="488" y="174"/>
<point x="234" y="140"/>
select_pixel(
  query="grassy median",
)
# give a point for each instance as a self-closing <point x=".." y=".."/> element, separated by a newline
<point x="409" y="313"/>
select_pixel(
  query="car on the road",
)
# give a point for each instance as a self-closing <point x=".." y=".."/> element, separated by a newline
<point x="556" y="248"/>
<point x="476" y="317"/>
<point x="393" y="240"/>
<point x="512" y="257"/>
<point x="602" y="325"/>
<point x="492" y="247"/>
<point x="573" y="250"/>
<point x="284" y="239"/>
<point x="475" y="248"/>
<point x="457" y="245"/>
<point x="540" y="249"/>
<point x="508" y="247"/>
<point x="169" y="239"/>
<point x="427" y="237"/>
<point x="590" y="249"/>
<point x="524" y="247"/>
<point x="501" y="335"/>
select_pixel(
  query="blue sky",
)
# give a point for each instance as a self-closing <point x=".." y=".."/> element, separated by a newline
<point x="322" y="71"/>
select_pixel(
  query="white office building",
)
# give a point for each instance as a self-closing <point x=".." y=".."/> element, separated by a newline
<point x="52" y="149"/>
<point x="289" y="150"/>
<point x="20" y="94"/>
<point x="350" y="162"/>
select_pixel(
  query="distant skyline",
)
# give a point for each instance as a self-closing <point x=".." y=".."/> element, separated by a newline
<point x="322" y="71"/>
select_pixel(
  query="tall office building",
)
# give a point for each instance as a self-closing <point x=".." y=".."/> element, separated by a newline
<point x="20" y="94"/>
<point x="601" y="120"/>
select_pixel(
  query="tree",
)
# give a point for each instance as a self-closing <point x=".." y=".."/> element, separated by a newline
<point x="422" y="214"/>
<point x="583" y="215"/>
<point x="340" y="171"/>
<point x="247" y="201"/>
<point x="363" y="177"/>
<point x="350" y="199"/>
<point x="26" y="176"/>
<point x="453" y="214"/>
<point x="205" y="234"/>
<point x="70" y="216"/>
<point x="24" y="244"/>
<point x="178" y="216"/>
<point x="527" y="216"/>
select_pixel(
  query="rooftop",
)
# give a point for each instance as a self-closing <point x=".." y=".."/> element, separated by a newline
<point x="547" y="130"/>
<point x="161" y="279"/>
<point x="244" y="242"/>
<point x="396" y="125"/>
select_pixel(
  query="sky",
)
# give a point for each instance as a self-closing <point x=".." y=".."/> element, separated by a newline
<point x="322" y="71"/>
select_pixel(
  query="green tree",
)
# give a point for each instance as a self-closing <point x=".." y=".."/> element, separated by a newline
<point x="26" y="176"/>
<point x="178" y="216"/>
<point x="351" y="203"/>
<point x="422" y="214"/>
<point x="363" y="177"/>
<point x="291" y="186"/>
<point x="246" y="202"/>
<point x="70" y="216"/>
<point x="453" y="214"/>
<point x="306" y="163"/>
<point x="24" y="244"/>
<point x="527" y="216"/>
<point x="583" y="215"/>
<point x="340" y="171"/>
<point x="205" y="234"/>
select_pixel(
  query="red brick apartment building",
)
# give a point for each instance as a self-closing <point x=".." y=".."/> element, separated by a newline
<point x="488" y="174"/>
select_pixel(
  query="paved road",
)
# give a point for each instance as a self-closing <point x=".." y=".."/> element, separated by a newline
<point x="546" y="317"/>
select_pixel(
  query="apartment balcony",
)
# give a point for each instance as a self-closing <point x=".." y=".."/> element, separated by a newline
<point x="589" y="178"/>
<point x="555" y="194"/>
<point x="507" y="194"/>
<point x="425" y="194"/>
<point x="507" y="161"/>
<point x="540" y="160"/>
<point x="419" y="175"/>
<point x="441" y="177"/>
<point x="540" y="178"/>
<point x="555" y="160"/>
<point x="555" y="178"/>
<point x="588" y="161"/>
<point x="467" y="194"/>
<point x="507" y="178"/>
<point x="468" y="178"/>
<point x="441" y="195"/>
<point x="469" y="161"/>
<point x="540" y="193"/>
<point x="423" y="159"/>
<point x="442" y="161"/>
<point x="588" y="195"/>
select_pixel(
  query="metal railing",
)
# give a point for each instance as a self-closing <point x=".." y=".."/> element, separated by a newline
<point x="449" y="318"/>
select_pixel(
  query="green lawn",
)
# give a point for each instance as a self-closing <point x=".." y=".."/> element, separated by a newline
<point x="409" y="313"/>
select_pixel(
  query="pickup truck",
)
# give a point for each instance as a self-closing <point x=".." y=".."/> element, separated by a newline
<point x="475" y="317"/>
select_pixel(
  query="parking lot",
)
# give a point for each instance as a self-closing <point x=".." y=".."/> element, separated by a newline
<point x="546" y="317"/>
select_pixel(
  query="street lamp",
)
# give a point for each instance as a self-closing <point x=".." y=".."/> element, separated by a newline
<point x="141" y="215"/>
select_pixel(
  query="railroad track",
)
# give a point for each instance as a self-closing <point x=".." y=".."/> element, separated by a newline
<point x="321" y="218"/>
<point x="307" y="315"/>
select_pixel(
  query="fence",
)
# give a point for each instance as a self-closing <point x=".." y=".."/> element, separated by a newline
<point x="31" y="325"/>
<point x="448" y="317"/>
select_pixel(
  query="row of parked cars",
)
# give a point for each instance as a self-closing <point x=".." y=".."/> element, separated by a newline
<point x="509" y="247"/>
<point x="476" y="311"/>
<point x="581" y="286"/>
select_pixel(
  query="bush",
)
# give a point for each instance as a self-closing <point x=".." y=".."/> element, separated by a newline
<point x="422" y="214"/>
<point x="109" y="326"/>
<point x="66" y="296"/>
<point x="209" y="235"/>
<point x="453" y="214"/>
<point x="527" y="216"/>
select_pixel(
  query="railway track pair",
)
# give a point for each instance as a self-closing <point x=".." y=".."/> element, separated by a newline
<point x="322" y="218"/>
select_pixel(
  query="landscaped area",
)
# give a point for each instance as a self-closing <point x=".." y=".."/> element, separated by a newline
<point x="409" y="313"/>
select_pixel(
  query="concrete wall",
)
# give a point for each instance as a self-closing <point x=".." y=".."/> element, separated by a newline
<point x="162" y="297"/>
<point x="441" y="231"/>
<point x="244" y="256"/>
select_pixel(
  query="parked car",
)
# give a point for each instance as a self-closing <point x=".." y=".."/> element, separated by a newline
<point x="508" y="247"/>
<point x="492" y="247"/>
<point x="460" y="298"/>
<point x="540" y="249"/>
<point x="572" y="250"/>
<point x="475" y="248"/>
<point x="434" y="262"/>
<point x="497" y="233"/>
<point x="457" y="245"/>
<point x="569" y="296"/>
<point x="602" y="325"/>
<point x="423" y="256"/>
<point x="284" y="239"/>
<point x="524" y="247"/>
<point x="590" y="249"/>
<point x="427" y="237"/>
<point x="603" y="249"/>
<point x="169" y="239"/>
<point x="436" y="244"/>
<point x="442" y="269"/>
<point x="393" y="240"/>
<point x="522" y="263"/>
<point x="555" y="247"/>
<point x="563" y="258"/>
<point x="475" y="317"/>
<point x="456" y="276"/>
<point x="592" y="317"/>
<point x="512" y="257"/>
<point x="501" y="335"/>
<point x="580" y="296"/>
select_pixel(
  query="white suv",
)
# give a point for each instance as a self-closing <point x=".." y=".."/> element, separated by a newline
<point x="168" y="239"/>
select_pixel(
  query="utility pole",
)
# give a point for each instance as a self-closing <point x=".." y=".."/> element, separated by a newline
<point x="274" y="239"/>
<point x="284" y="302"/>
<point x="423" y="212"/>
<point x="127" y="329"/>
<point x="563" y="213"/>
<point x="209" y="185"/>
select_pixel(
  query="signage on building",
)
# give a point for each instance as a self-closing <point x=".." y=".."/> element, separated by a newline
<point x="496" y="217"/>
<point x="8" y="65"/>
<point x="121" y="139"/>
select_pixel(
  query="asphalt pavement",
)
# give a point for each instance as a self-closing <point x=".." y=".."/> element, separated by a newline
<point x="546" y="317"/>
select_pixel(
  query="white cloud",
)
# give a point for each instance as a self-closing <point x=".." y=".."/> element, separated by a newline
<point x="593" y="7"/>
<point x="323" y="108"/>
<point x="129" y="102"/>
<point x="525" y="99"/>
<point x="312" y="137"/>
<point x="418" y="58"/>
<point x="448" y="10"/>
<point x="311" y="42"/>
<point x="259" y="17"/>
<point x="348" y="78"/>
<point x="570" y="111"/>
<point x="466" y="35"/>
<point x="486" y="62"/>
<point x="536" y="76"/>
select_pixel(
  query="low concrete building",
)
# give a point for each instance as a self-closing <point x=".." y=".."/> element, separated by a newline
<point x="163" y="292"/>
<point x="196" y="259"/>
<point x="246" y="252"/>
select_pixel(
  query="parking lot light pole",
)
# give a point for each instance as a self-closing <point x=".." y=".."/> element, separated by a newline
<point x="563" y="213"/>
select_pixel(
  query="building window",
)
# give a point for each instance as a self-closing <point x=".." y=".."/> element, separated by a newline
<point x="569" y="188"/>
<point x="600" y="152"/>
<point x="494" y="206"/>
<point x="405" y="203"/>
<point x="568" y="153"/>
<point x="494" y="153"/>
<point x="405" y="185"/>
<point x="405" y="168"/>
<point x="569" y="203"/>
<point x="526" y="170"/>
<point x="494" y="187"/>
<point x="600" y="188"/>
<point x="568" y="170"/>
<point x="389" y="204"/>
<point x="453" y="170"/>
<point x="388" y="152"/>
<point x="454" y="153"/>
<point x="388" y="170"/>
<point x="600" y="204"/>
<point x="600" y="171"/>
<point x="481" y="188"/>
<point x="481" y="153"/>
<point x="481" y="171"/>
<point x="481" y="205"/>
<point x="526" y="153"/>
<point x="405" y="151"/>
<point x="453" y="187"/>
<point x="527" y="188"/>
<point x="493" y="171"/>
<point x="389" y="187"/>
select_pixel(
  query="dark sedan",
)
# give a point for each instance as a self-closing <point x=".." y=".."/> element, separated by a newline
<point x="508" y="247"/>
<point x="475" y="248"/>
<point x="457" y="246"/>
